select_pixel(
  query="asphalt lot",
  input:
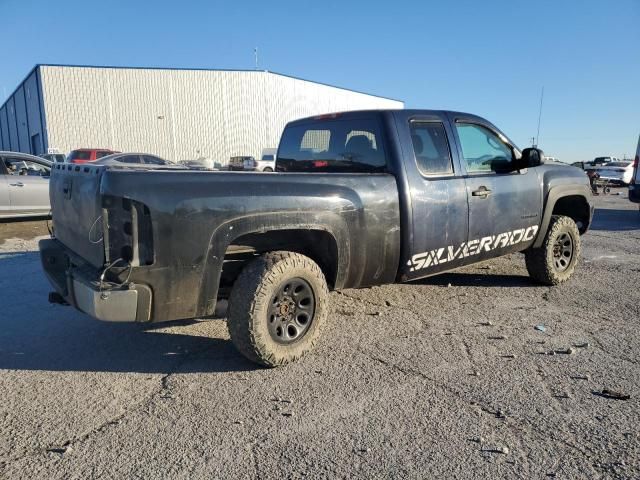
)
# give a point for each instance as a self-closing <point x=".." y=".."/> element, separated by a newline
<point x="442" y="378"/>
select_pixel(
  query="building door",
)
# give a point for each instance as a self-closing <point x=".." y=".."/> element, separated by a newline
<point x="35" y="144"/>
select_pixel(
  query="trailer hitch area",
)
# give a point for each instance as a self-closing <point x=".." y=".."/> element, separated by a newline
<point x="55" y="297"/>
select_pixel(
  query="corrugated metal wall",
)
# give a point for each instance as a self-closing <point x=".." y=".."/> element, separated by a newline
<point x="183" y="114"/>
<point x="21" y="119"/>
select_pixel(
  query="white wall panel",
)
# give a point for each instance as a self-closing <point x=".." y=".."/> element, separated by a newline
<point x="183" y="114"/>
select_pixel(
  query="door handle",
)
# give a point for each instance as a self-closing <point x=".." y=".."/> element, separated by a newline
<point x="481" y="192"/>
<point x="17" y="184"/>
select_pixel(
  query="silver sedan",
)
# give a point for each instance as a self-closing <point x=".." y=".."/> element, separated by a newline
<point x="24" y="185"/>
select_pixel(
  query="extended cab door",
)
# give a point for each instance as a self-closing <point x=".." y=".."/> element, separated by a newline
<point x="505" y="206"/>
<point x="436" y="199"/>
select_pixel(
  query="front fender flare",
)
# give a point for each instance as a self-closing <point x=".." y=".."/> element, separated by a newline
<point x="556" y="193"/>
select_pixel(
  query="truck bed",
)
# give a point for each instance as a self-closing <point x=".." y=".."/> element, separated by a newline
<point x="181" y="224"/>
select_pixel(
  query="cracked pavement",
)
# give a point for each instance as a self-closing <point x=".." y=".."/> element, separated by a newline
<point x="444" y="377"/>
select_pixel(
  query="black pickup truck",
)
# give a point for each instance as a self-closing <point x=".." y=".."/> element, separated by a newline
<point x="358" y="199"/>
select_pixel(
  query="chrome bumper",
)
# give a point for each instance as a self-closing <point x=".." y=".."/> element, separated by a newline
<point x="130" y="303"/>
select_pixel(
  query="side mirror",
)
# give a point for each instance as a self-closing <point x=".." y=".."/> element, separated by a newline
<point x="531" y="157"/>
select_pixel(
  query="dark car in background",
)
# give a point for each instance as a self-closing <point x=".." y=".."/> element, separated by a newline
<point x="54" y="157"/>
<point x="86" y="155"/>
<point x="634" y="185"/>
<point x="237" y="163"/>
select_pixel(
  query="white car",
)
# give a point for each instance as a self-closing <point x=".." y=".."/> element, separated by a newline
<point x="267" y="162"/>
<point x="24" y="185"/>
<point x="620" y="172"/>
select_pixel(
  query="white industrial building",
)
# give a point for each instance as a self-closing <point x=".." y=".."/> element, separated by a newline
<point x="175" y="113"/>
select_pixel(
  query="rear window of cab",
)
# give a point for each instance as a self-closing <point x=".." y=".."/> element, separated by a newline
<point x="333" y="145"/>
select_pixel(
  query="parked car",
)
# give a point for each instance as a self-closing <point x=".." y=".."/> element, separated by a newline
<point x="202" y="163"/>
<point x="634" y="185"/>
<point x="54" y="157"/>
<point x="603" y="160"/>
<point x="136" y="160"/>
<point x="616" y="173"/>
<point x="267" y="162"/>
<point x="238" y="163"/>
<point x="375" y="197"/>
<point x="24" y="185"/>
<point x="86" y="155"/>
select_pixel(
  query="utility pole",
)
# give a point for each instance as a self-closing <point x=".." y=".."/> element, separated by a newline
<point x="255" y="54"/>
<point x="539" y="117"/>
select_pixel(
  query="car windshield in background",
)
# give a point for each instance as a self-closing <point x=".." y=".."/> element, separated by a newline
<point x="336" y="145"/>
<point x="79" y="155"/>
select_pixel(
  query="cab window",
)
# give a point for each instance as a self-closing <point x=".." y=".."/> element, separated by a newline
<point x="431" y="148"/>
<point x="332" y="145"/>
<point x="483" y="150"/>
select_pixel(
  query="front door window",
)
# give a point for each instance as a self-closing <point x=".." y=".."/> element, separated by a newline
<point x="483" y="150"/>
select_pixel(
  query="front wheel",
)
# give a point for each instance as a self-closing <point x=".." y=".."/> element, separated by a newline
<point x="267" y="169"/>
<point x="277" y="308"/>
<point x="555" y="261"/>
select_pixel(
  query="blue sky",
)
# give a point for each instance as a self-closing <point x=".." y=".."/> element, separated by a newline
<point x="486" y="57"/>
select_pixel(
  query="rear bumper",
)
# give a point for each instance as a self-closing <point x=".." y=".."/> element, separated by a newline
<point x="634" y="193"/>
<point x="79" y="285"/>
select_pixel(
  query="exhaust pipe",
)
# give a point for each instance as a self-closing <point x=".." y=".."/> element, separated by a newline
<point x="55" y="297"/>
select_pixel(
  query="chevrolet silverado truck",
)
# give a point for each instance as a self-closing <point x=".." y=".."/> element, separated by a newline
<point x="358" y="199"/>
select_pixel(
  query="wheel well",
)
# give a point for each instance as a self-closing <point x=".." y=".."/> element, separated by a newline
<point x="575" y="207"/>
<point x="319" y="245"/>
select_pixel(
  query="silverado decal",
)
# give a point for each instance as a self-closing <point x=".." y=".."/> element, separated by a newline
<point x="473" y="247"/>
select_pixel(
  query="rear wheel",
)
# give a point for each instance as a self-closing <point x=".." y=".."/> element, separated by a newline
<point x="555" y="261"/>
<point x="277" y="308"/>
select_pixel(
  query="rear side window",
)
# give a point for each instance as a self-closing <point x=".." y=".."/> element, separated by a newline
<point x="335" y="145"/>
<point x="102" y="154"/>
<point x="431" y="148"/>
<point x="80" y="155"/>
<point x="129" y="159"/>
<point x="267" y="158"/>
<point x="153" y="160"/>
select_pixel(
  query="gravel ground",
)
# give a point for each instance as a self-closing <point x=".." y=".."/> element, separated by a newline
<point x="443" y="378"/>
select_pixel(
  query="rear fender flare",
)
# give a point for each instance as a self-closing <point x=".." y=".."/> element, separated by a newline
<point x="227" y="232"/>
